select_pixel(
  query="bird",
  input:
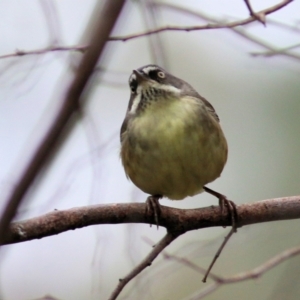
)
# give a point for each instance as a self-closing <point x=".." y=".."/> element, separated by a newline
<point x="172" y="143"/>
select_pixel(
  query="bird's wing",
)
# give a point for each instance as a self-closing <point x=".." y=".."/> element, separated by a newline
<point x="189" y="91"/>
<point x="124" y="127"/>
<point x="210" y="109"/>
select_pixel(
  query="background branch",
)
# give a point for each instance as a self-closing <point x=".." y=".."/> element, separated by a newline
<point x="252" y="274"/>
<point x="157" y="249"/>
<point x="81" y="49"/>
<point x="259" y="17"/>
<point x="158" y="50"/>
<point x="240" y="31"/>
<point x="106" y="20"/>
<point x="248" y="20"/>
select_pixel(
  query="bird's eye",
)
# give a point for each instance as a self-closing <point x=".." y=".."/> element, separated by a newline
<point x="155" y="75"/>
<point x="161" y="74"/>
<point x="152" y="75"/>
<point x="133" y="85"/>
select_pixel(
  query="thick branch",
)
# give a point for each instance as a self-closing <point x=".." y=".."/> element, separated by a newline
<point x="175" y="220"/>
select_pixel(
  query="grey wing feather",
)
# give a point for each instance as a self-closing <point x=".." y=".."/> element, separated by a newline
<point x="210" y="109"/>
<point x="124" y="128"/>
<point x="189" y="91"/>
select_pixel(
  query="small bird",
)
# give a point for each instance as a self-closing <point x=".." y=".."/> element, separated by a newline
<point x="172" y="143"/>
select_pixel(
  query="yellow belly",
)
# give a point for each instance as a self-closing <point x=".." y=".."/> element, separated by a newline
<point x="173" y="149"/>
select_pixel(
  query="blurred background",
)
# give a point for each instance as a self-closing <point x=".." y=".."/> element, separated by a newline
<point x="250" y="74"/>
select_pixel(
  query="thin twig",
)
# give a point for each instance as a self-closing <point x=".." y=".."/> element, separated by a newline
<point x="275" y="52"/>
<point x="252" y="274"/>
<point x="203" y="27"/>
<point x="283" y="25"/>
<point x="259" y="17"/>
<point x="226" y="239"/>
<point x="238" y="31"/>
<point x="157" y="249"/>
<point x="217" y="24"/>
<point x="264" y="44"/>
<point x="260" y="270"/>
<point x="81" y="49"/>
<point x="106" y="20"/>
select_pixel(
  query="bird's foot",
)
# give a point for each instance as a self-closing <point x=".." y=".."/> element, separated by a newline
<point x="153" y="207"/>
<point x="223" y="201"/>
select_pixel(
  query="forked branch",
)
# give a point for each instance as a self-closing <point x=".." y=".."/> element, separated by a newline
<point x="157" y="249"/>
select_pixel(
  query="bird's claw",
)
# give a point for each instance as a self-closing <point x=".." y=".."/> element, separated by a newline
<point x="153" y="208"/>
<point x="231" y="206"/>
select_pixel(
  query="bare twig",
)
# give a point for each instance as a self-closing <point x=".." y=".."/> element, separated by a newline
<point x="171" y="218"/>
<point x="276" y="52"/>
<point x="248" y="20"/>
<point x="216" y="24"/>
<point x="258" y="16"/>
<point x="81" y="49"/>
<point x="264" y="44"/>
<point x="253" y="274"/>
<point x="231" y="232"/>
<point x="283" y="25"/>
<point x="106" y="20"/>
<point x="260" y="270"/>
<point x="238" y="31"/>
<point x="157" y="249"/>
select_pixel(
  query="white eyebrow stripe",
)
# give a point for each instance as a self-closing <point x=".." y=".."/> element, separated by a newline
<point x="135" y="103"/>
<point x="132" y="77"/>
<point x="167" y="88"/>
<point x="149" y="69"/>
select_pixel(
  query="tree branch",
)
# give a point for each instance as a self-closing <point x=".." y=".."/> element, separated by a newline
<point x="238" y="31"/>
<point x="276" y="52"/>
<point x="259" y="16"/>
<point x="252" y="274"/>
<point x="175" y="220"/>
<point x="248" y="20"/>
<point x="231" y="232"/>
<point x="105" y="22"/>
<point x="80" y="49"/>
<point x="157" y="249"/>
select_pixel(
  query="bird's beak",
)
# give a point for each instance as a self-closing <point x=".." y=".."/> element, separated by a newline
<point x="140" y="77"/>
